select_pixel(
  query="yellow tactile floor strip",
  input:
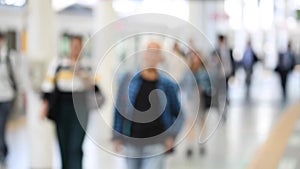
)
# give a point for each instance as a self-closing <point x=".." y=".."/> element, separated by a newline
<point x="270" y="152"/>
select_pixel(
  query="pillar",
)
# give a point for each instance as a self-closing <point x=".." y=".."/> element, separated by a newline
<point x="41" y="50"/>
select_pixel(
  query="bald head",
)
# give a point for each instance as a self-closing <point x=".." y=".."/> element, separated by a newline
<point x="152" y="56"/>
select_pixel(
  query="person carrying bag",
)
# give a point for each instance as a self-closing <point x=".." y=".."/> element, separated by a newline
<point x="67" y="85"/>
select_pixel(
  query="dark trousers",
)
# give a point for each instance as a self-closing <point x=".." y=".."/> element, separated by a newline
<point x="248" y="72"/>
<point x="227" y="90"/>
<point x="283" y="78"/>
<point x="71" y="134"/>
<point x="5" y="108"/>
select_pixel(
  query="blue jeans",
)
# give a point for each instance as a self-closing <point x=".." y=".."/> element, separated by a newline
<point x="5" y="108"/>
<point x="147" y="160"/>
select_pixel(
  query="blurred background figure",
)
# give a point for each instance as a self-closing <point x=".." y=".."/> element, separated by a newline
<point x="224" y="58"/>
<point x="177" y="50"/>
<point x="248" y="61"/>
<point x="7" y="89"/>
<point x="152" y="139"/>
<point x="178" y="59"/>
<point x="38" y="30"/>
<point x="65" y="92"/>
<point x="203" y="89"/>
<point x="12" y="92"/>
<point x="285" y="65"/>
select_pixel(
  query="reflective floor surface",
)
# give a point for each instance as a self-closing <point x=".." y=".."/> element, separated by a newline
<point x="231" y="147"/>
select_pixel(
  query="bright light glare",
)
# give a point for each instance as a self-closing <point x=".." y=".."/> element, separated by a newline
<point x="125" y="7"/>
<point x="87" y="2"/>
<point x="266" y="14"/>
<point x="18" y="3"/>
<point x="251" y="15"/>
<point x="177" y="8"/>
<point x="233" y="9"/>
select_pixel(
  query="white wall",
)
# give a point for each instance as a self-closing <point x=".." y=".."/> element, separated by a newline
<point x="12" y="18"/>
<point x="74" y="23"/>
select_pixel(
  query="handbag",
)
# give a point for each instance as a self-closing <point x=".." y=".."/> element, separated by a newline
<point x="53" y="99"/>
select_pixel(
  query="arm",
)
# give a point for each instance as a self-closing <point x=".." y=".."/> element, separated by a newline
<point x="120" y="105"/>
<point x="48" y="87"/>
<point x="255" y="57"/>
<point x="94" y="84"/>
<point x="118" y="118"/>
<point x="293" y="60"/>
<point x="177" y="115"/>
<point x="232" y="62"/>
<point x="277" y="68"/>
<point x="17" y="66"/>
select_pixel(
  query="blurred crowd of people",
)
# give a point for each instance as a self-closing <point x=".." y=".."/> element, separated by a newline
<point x="145" y="142"/>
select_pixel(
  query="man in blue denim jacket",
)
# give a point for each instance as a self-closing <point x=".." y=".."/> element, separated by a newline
<point x="147" y="115"/>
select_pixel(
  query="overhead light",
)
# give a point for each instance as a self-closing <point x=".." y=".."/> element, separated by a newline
<point x="125" y="7"/>
<point x="178" y="8"/>
<point x="17" y="3"/>
<point x="87" y="2"/>
<point x="60" y="5"/>
<point x="266" y="14"/>
<point x="233" y="9"/>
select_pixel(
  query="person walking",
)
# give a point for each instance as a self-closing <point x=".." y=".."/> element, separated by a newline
<point x="146" y="133"/>
<point x="223" y="59"/>
<point x="68" y="81"/>
<point x="248" y="61"/>
<point x="11" y="86"/>
<point x="199" y="74"/>
<point x="285" y="65"/>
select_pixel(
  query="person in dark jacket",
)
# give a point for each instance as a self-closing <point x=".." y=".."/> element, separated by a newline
<point x="248" y="62"/>
<point x="143" y="118"/>
<point x="286" y="63"/>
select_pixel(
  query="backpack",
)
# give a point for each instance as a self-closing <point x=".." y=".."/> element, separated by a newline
<point x="53" y="98"/>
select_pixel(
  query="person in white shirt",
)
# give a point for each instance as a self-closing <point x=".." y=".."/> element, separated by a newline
<point x="226" y="62"/>
<point x="68" y="80"/>
<point x="10" y="87"/>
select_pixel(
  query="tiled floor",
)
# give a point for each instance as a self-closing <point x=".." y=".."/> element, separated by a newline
<point x="231" y="147"/>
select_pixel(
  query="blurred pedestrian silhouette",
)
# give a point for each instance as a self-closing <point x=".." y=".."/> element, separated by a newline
<point x="225" y="62"/>
<point x="201" y="88"/>
<point x="65" y="102"/>
<point x="285" y="65"/>
<point x="12" y="92"/>
<point x="145" y="143"/>
<point x="248" y="62"/>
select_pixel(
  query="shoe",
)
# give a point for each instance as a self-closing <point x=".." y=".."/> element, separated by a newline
<point x="202" y="151"/>
<point x="189" y="153"/>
